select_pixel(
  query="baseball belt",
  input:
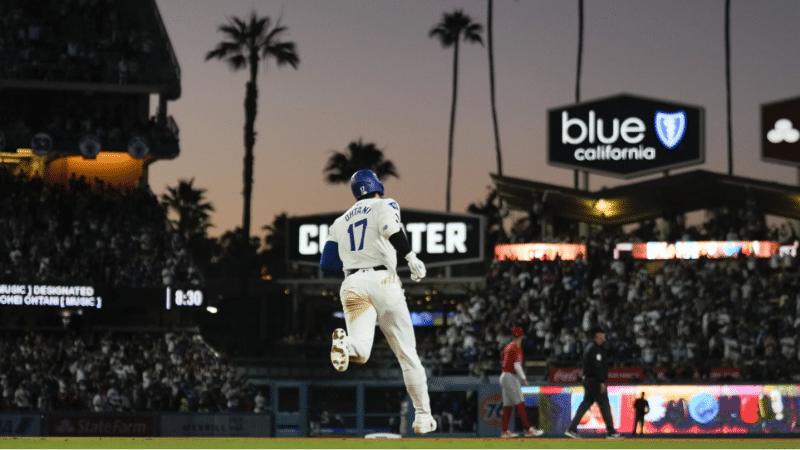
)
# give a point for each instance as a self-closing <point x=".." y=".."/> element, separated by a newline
<point x="347" y="273"/>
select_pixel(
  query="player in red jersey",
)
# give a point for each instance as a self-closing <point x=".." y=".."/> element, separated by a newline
<point x="510" y="385"/>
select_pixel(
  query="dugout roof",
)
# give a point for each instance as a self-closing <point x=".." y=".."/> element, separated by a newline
<point x="650" y="199"/>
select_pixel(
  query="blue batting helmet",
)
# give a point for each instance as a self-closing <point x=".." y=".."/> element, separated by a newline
<point x="365" y="182"/>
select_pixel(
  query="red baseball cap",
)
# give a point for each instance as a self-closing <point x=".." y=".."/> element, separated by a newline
<point x="517" y="332"/>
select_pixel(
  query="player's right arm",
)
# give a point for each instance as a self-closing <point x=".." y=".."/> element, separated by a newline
<point x="330" y="262"/>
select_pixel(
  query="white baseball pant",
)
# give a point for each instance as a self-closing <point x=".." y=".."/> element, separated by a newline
<point x="367" y="295"/>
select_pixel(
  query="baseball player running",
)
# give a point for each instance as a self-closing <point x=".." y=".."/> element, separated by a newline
<point x="364" y="243"/>
<point x="509" y="383"/>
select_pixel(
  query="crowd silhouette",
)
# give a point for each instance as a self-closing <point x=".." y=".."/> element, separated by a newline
<point x="75" y="40"/>
<point x="119" y="372"/>
<point x="84" y="234"/>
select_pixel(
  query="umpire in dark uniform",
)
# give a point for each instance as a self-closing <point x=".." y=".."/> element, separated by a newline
<point x="595" y="375"/>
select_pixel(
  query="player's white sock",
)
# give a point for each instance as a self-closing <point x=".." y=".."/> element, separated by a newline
<point x="419" y="397"/>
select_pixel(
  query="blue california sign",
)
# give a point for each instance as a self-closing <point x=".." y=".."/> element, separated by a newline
<point x="625" y="136"/>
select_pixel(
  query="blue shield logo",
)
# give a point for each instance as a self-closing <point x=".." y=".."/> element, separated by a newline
<point x="670" y="127"/>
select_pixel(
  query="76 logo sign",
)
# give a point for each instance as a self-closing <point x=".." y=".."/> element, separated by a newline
<point x="491" y="410"/>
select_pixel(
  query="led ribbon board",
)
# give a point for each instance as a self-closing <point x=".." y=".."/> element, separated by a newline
<point x="541" y="251"/>
<point x="701" y="249"/>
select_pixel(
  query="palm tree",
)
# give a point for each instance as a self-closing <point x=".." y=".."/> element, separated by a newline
<point x="728" y="82"/>
<point x="189" y="204"/>
<point x="273" y="253"/>
<point x="193" y="220"/>
<point x="230" y="247"/>
<point x="491" y="209"/>
<point x="578" y="79"/>
<point x="341" y="166"/>
<point x="490" y="45"/>
<point x="450" y="30"/>
<point x="246" y="44"/>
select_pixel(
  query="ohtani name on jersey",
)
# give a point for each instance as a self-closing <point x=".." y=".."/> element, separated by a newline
<point x="356" y="211"/>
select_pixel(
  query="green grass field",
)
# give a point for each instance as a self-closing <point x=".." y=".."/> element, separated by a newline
<point x="358" y="443"/>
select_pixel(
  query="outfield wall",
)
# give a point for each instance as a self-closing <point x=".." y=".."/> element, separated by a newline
<point x="464" y="407"/>
<point x="674" y="409"/>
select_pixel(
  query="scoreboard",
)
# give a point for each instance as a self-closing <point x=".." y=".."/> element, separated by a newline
<point x="99" y="297"/>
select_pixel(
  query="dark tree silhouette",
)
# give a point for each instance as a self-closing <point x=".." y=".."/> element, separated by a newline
<point x="450" y="31"/>
<point x="342" y="165"/>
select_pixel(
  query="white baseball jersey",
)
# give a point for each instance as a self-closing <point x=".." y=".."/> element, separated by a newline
<point x="362" y="234"/>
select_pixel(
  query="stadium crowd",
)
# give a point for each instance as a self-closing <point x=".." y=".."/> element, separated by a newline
<point x="67" y="117"/>
<point x="74" y="40"/>
<point x="682" y="316"/>
<point x="106" y="372"/>
<point x="79" y="234"/>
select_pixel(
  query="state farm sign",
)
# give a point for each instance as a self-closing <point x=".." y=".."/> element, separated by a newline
<point x="625" y="136"/>
<point x="100" y="425"/>
<point x="437" y="238"/>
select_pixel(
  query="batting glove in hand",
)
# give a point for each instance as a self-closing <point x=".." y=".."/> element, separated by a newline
<point x="416" y="266"/>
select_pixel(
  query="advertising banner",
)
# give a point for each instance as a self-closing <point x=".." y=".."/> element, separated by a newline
<point x="700" y="249"/>
<point x="572" y="375"/>
<point x="676" y="409"/>
<point x="215" y="425"/>
<point x="542" y="251"/>
<point x="100" y="425"/>
<point x="437" y="238"/>
<point x="625" y="136"/>
<point x="20" y="425"/>
<point x="732" y="373"/>
<point x="780" y="131"/>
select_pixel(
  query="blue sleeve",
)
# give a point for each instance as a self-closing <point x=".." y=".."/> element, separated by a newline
<point x="330" y="262"/>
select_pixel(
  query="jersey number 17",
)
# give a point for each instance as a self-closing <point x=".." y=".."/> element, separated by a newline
<point x="350" y="230"/>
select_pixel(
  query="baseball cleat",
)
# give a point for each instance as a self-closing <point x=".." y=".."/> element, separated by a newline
<point x="533" y="432"/>
<point x="508" y="434"/>
<point x="572" y="434"/>
<point x="615" y="435"/>
<point x="424" y="423"/>
<point x="340" y="357"/>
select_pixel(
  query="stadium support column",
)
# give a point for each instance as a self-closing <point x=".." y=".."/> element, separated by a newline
<point x="263" y="332"/>
<point x="547" y="226"/>
<point x="583" y="227"/>
<point x="795" y="223"/>
<point x="295" y="306"/>
<point x="162" y="109"/>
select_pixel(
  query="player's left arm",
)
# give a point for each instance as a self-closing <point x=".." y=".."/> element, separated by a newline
<point x="391" y="228"/>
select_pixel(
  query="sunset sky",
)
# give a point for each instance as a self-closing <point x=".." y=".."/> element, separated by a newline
<point x="368" y="70"/>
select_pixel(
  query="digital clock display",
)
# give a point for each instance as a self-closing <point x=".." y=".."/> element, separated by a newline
<point x="184" y="297"/>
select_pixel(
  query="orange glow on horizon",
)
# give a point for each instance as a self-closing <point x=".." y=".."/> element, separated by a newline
<point x="115" y="169"/>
